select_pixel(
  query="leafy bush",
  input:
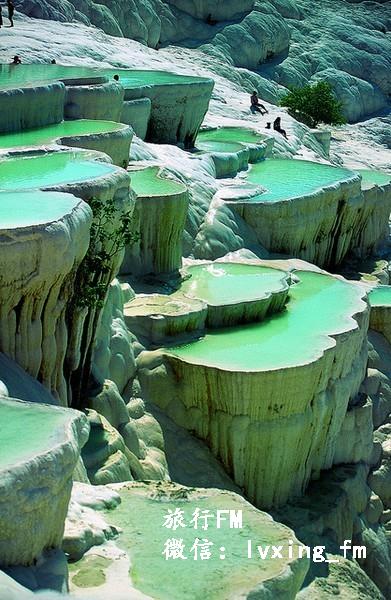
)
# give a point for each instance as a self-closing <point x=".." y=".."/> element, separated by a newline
<point x="109" y="234"/>
<point x="314" y="104"/>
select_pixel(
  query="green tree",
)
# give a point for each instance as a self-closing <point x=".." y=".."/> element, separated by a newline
<point x="314" y="104"/>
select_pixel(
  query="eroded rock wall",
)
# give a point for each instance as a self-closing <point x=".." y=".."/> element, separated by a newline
<point x="24" y="108"/>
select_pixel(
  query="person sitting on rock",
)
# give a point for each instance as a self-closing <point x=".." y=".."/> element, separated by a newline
<point x="53" y="61"/>
<point x="277" y="127"/>
<point x="209" y="20"/>
<point x="11" y="10"/>
<point x="16" y="60"/>
<point x="256" y="106"/>
<point x="268" y="125"/>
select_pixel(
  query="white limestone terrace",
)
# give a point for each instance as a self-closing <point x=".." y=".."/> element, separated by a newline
<point x="283" y="42"/>
<point x="39" y="448"/>
<point x="44" y="237"/>
<point x="178" y="103"/>
<point x="233" y="148"/>
<point x="212" y="228"/>
<point x="243" y="389"/>
<point x="314" y="211"/>
<point x="64" y="235"/>
<point x="210" y="295"/>
<point x="159" y="218"/>
<point x="112" y="138"/>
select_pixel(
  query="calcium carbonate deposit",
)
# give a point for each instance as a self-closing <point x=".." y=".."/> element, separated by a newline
<point x="195" y="300"/>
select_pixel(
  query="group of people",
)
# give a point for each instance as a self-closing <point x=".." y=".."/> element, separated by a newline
<point x="11" y="10"/>
<point x="256" y="106"/>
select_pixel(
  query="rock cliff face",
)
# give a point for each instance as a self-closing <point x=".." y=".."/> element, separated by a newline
<point x="158" y="221"/>
<point x="38" y="263"/>
<point x="31" y="106"/>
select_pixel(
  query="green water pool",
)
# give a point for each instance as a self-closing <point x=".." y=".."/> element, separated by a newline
<point x="50" y="133"/>
<point x="218" y="146"/>
<point x="143" y="537"/>
<point x="318" y="307"/>
<point x="129" y="78"/>
<point x="375" y="177"/>
<point x="147" y="183"/>
<point x="53" y="168"/>
<point x="27" y="430"/>
<point x="380" y="296"/>
<point x="239" y="135"/>
<point x="285" y="179"/>
<point x="230" y="283"/>
<point x="25" y="209"/>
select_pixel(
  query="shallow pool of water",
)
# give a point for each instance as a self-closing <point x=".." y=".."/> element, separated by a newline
<point x="30" y="73"/>
<point x="218" y="146"/>
<point x="380" y="296"/>
<point x="50" y="133"/>
<point x="230" y="134"/>
<point x="318" y="306"/>
<point x="27" y="430"/>
<point x="377" y="177"/>
<point x="22" y="209"/>
<point x="146" y="182"/>
<point x="143" y="536"/>
<point x="53" y="168"/>
<point x="288" y="178"/>
<point x="229" y="283"/>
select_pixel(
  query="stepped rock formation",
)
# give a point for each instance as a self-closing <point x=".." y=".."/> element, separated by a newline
<point x="241" y="404"/>
<point x="289" y="42"/>
<point x="158" y="221"/>
<point x="264" y="377"/>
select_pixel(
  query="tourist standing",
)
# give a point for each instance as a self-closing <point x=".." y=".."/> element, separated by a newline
<point x="11" y="10"/>
<point x="1" y="16"/>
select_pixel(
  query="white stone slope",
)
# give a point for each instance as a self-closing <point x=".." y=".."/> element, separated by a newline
<point x="212" y="228"/>
<point x="288" y="42"/>
<point x="132" y="444"/>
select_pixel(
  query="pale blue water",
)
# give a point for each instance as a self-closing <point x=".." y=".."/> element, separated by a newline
<point x="54" y="168"/>
<point x="285" y="179"/>
<point x="21" y="209"/>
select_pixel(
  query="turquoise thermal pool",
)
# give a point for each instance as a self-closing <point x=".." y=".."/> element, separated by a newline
<point x="374" y="177"/>
<point x="11" y="75"/>
<point x="285" y="179"/>
<point x="148" y="183"/>
<point x="239" y="135"/>
<point x="51" y="133"/>
<point x="318" y="306"/>
<point x="219" y="579"/>
<point x="380" y="296"/>
<point x="229" y="283"/>
<point x="42" y="428"/>
<point x="53" y="168"/>
<point x="217" y="146"/>
<point x="26" y="209"/>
